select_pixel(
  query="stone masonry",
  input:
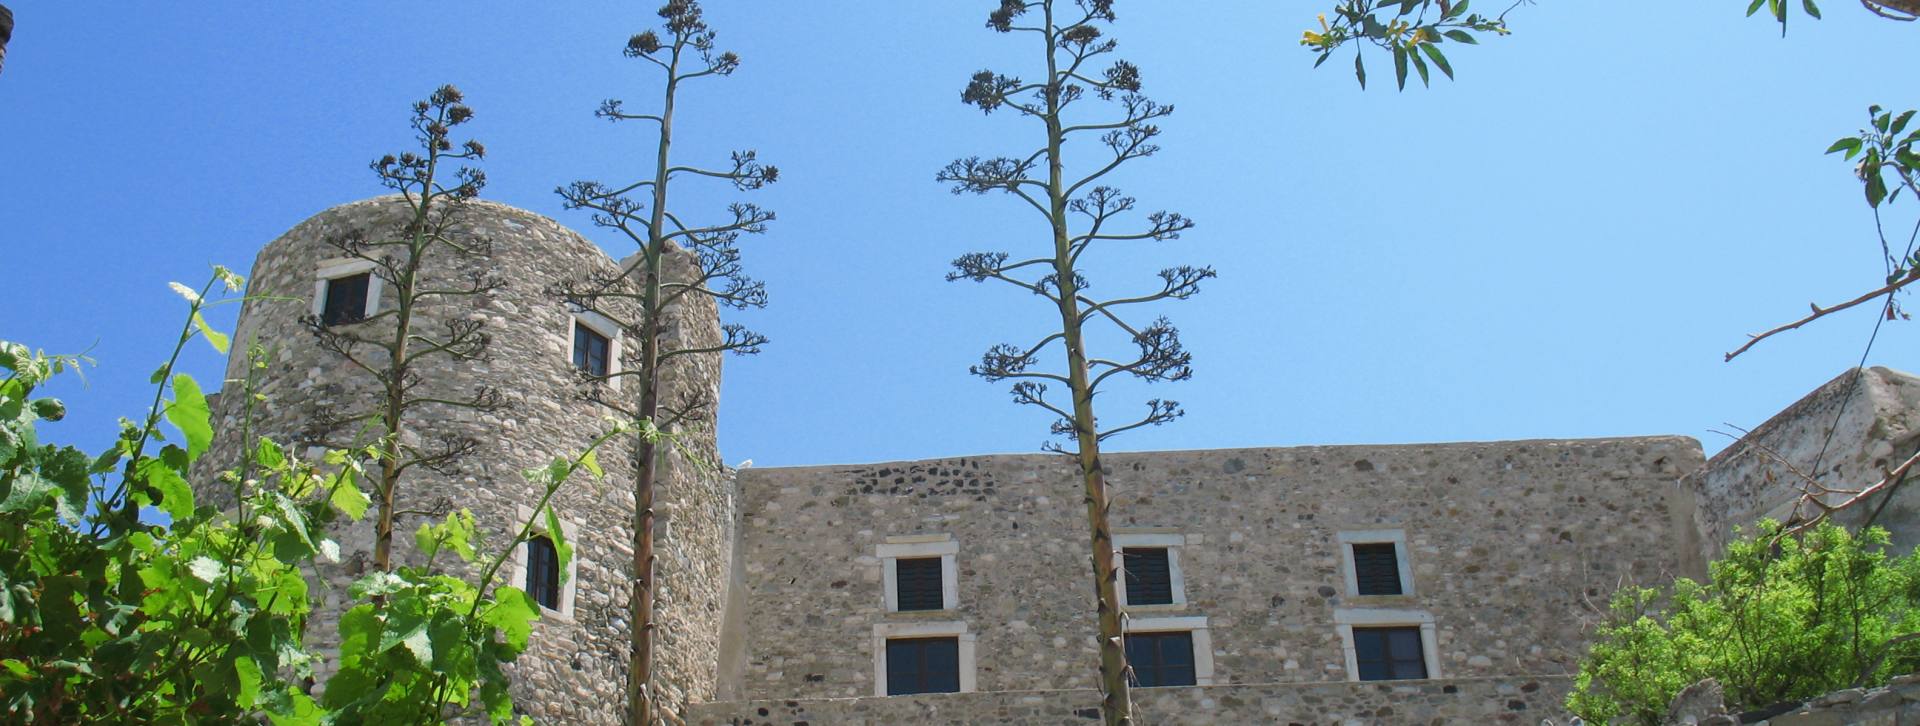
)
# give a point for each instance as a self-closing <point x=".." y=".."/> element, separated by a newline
<point x="1845" y="434"/>
<point x="773" y="602"/>
<point x="575" y="669"/>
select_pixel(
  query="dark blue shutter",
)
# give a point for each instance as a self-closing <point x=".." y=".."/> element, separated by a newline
<point x="1376" y="569"/>
<point x="1161" y="659"/>
<point x="917" y="582"/>
<point x="923" y="665"/>
<point x="543" y="572"/>
<point x="590" y="350"/>
<point x="1149" y="576"/>
<point x="1389" y="653"/>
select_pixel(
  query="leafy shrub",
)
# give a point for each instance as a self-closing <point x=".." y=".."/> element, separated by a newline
<point x="1781" y="618"/>
<point x="109" y="618"/>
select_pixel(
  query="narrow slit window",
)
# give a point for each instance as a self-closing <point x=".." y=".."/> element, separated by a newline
<point x="918" y="582"/>
<point x="1389" y="654"/>
<point x="543" y="572"/>
<point x="1149" y="576"/>
<point x="923" y="665"/>
<point x="346" y="299"/>
<point x="1376" y="569"/>
<point x="1161" y="659"/>
<point x="591" y="350"/>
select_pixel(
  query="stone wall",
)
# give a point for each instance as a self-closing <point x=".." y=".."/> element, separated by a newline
<point x="1511" y="546"/>
<point x="1463" y="701"/>
<point x="1845" y="434"/>
<point x="575" y="670"/>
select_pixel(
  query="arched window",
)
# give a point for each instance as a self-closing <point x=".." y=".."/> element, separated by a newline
<point x="543" y="572"/>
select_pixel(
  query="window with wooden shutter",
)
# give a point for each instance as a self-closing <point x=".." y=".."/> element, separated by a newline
<point x="591" y="350"/>
<point x="923" y="665"/>
<point x="1161" y="659"/>
<point x="1376" y="569"/>
<point x="1386" y="654"/>
<point x="543" y="572"/>
<point x="346" y="299"/>
<point x="1149" y="576"/>
<point x="917" y="581"/>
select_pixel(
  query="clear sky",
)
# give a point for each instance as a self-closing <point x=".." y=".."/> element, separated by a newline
<point x="1560" y="244"/>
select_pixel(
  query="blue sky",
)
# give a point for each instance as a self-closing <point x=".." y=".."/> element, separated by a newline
<point x="1560" y="244"/>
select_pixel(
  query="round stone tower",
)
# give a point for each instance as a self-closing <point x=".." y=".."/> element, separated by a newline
<point x="575" y="668"/>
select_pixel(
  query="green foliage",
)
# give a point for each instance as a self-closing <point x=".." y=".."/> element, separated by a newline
<point x="1411" y="30"/>
<point x="108" y="618"/>
<point x="1884" y="150"/>
<point x="1781" y="618"/>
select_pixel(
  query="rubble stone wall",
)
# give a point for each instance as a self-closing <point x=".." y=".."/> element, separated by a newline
<point x="1512" y="546"/>
<point x="575" y="669"/>
<point x="1845" y="434"/>
<point x="1462" y="701"/>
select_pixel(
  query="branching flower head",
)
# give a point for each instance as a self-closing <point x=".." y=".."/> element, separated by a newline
<point x="646" y="43"/>
<point x="1002" y="19"/>
<point x="988" y="90"/>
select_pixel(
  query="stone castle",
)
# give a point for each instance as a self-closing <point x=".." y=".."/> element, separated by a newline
<point x="1428" y="583"/>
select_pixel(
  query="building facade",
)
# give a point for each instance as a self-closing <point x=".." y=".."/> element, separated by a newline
<point x="1427" y="583"/>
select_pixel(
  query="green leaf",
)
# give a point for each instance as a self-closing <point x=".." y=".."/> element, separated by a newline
<point x="1439" y="59"/>
<point x="215" y="338"/>
<point x="347" y="496"/>
<point x="592" y="463"/>
<point x="1876" y="189"/>
<point x="1851" y="145"/>
<point x="1900" y="123"/>
<point x="249" y="680"/>
<point x="1400" y="67"/>
<point x="1755" y="7"/>
<point x="560" y="545"/>
<point x="1360" y="71"/>
<point x="1461" y="36"/>
<point x="513" y="612"/>
<point x="1812" y="9"/>
<point x="189" y="413"/>
<point x="1419" y="65"/>
<point x="176" y="495"/>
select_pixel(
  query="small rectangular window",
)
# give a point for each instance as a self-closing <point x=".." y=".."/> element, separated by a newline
<point x="1161" y="659"/>
<point x="590" y="349"/>
<point x="923" y="665"/>
<point x="1376" y="569"/>
<point x="1149" y="576"/>
<point x="543" y="572"/>
<point x="917" y="581"/>
<point x="1388" y="654"/>
<point x="346" y="299"/>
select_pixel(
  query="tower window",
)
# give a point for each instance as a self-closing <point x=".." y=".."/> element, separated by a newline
<point x="918" y="582"/>
<point x="543" y="572"/>
<point x="346" y="299"/>
<point x="1149" y="576"/>
<point x="591" y="350"/>
<point x="1386" y="654"/>
<point x="923" y="665"/>
<point x="1376" y="569"/>
<point x="1161" y="659"/>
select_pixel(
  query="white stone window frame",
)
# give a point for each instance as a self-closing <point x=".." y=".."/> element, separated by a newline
<point x="1195" y="626"/>
<point x="334" y="269"/>
<point x="1397" y="537"/>
<point x="942" y="546"/>
<point x="1345" y="619"/>
<point x="1172" y="542"/>
<point x="603" y="325"/>
<point x="568" y="586"/>
<point x="956" y="629"/>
